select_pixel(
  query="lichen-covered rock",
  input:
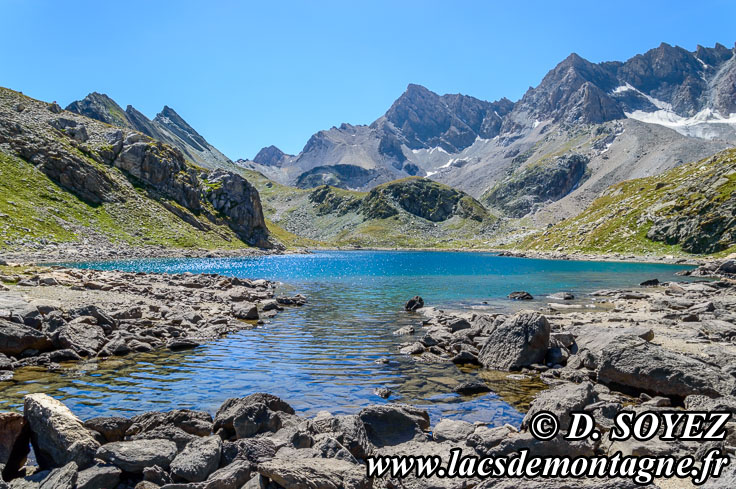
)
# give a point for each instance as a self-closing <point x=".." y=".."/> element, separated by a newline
<point x="238" y="200"/>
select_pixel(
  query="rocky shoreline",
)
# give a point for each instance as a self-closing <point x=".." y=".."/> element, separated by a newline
<point x="50" y="315"/>
<point x="658" y="347"/>
<point x="102" y="250"/>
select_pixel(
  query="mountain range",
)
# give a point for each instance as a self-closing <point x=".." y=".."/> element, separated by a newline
<point x="499" y="171"/>
<point x="617" y="120"/>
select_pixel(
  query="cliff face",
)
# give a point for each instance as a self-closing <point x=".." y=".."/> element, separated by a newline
<point x="102" y="164"/>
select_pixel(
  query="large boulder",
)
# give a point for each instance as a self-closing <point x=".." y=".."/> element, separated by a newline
<point x="518" y="342"/>
<point x="561" y="401"/>
<point x="134" y="456"/>
<point x="348" y="430"/>
<point x="321" y="473"/>
<point x="255" y="418"/>
<point x="14" y="442"/>
<point x="17" y="338"/>
<point x="198" y="460"/>
<point x="393" y="424"/>
<point x="58" y="437"/>
<point x="198" y="423"/>
<point x="85" y="339"/>
<point x="230" y="408"/>
<point x="642" y="366"/>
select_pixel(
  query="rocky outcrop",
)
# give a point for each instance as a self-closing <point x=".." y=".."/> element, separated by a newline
<point x="422" y="198"/>
<point x="423" y="119"/>
<point x="691" y="206"/>
<point x="536" y="184"/>
<point x="234" y="197"/>
<point x="701" y="216"/>
<point x="167" y="127"/>
<point x="518" y="342"/>
<point x="101" y="164"/>
<point x="58" y="437"/>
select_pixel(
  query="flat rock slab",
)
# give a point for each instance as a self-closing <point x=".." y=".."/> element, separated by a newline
<point x="134" y="456"/>
<point x="322" y="473"/>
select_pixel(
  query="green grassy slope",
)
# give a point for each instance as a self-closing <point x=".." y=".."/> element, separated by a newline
<point x="34" y="208"/>
<point x="412" y="213"/>
<point x="688" y="209"/>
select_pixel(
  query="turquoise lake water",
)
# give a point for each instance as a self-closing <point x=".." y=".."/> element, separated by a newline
<point x="323" y="356"/>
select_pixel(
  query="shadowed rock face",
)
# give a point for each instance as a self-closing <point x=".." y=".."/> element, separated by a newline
<point x="518" y="194"/>
<point x="238" y="200"/>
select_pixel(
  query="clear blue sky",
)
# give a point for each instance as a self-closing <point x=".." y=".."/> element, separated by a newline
<point x="250" y="74"/>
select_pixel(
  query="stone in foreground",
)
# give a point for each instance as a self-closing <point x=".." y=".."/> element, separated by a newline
<point x="134" y="456"/>
<point x="519" y="342"/>
<point x="322" y="473"/>
<point x="57" y="435"/>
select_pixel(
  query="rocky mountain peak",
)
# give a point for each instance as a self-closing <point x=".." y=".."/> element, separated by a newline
<point x="424" y="119"/>
<point x="168" y="127"/>
<point x="100" y="107"/>
<point x="270" y="156"/>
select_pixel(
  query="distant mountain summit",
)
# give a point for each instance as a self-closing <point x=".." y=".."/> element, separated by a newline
<point x="584" y="127"/>
<point x="168" y="127"/>
<point x="271" y="156"/>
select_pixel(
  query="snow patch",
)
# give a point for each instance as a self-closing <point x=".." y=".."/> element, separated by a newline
<point x="689" y="126"/>
<point x="656" y="102"/>
<point x="536" y="123"/>
<point x="702" y="62"/>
